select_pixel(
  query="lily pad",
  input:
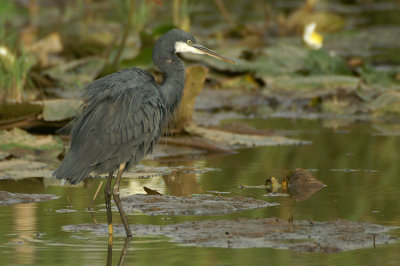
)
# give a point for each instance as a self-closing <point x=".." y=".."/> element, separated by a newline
<point x="194" y="205"/>
<point x="301" y="236"/>
<point x="7" y="198"/>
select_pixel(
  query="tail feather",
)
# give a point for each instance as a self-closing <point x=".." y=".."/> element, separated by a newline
<point x="71" y="170"/>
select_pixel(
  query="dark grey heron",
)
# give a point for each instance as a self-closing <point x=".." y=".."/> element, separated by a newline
<point x="123" y="117"/>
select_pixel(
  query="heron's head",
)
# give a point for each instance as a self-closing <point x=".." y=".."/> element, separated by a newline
<point x="179" y="41"/>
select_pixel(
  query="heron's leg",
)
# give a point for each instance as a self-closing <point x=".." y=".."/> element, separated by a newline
<point x="107" y="196"/>
<point x="118" y="200"/>
<point x="109" y="250"/>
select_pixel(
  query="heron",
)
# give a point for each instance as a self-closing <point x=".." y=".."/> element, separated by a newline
<point x="123" y="117"/>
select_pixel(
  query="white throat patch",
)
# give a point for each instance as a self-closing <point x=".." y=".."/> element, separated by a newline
<point x="182" y="47"/>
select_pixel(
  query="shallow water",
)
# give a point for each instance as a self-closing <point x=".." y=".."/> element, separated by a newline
<point x="357" y="163"/>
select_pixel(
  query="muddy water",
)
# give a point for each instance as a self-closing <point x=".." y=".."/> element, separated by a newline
<point x="359" y="165"/>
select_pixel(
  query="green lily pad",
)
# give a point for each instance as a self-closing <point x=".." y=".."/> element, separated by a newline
<point x="381" y="79"/>
<point x="322" y="62"/>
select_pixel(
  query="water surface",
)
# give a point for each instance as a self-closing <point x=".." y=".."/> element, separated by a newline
<point x="357" y="163"/>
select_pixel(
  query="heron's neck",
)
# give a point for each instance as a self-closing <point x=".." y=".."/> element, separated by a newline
<point x="174" y="81"/>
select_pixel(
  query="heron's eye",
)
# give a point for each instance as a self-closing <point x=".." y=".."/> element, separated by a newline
<point x="189" y="42"/>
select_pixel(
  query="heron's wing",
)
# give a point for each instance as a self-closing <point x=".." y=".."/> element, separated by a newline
<point x="109" y="126"/>
<point x="121" y="122"/>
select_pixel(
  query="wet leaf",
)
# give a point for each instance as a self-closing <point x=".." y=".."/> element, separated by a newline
<point x="166" y="150"/>
<point x="150" y="191"/>
<point x="7" y="198"/>
<point x="190" y="205"/>
<point x="301" y="236"/>
<point x="235" y="140"/>
<point x="19" y="169"/>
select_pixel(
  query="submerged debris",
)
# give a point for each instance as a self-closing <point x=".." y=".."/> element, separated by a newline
<point x="301" y="236"/>
<point x="193" y="205"/>
<point x="8" y="198"/>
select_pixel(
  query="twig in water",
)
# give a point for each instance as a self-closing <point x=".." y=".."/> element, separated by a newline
<point x="95" y="195"/>
<point x="69" y="202"/>
<point x="374" y="236"/>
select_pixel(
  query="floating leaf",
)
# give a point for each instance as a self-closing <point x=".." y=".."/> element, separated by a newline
<point x="7" y="198"/>
<point x="302" y="236"/>
<point x="235" y="140"/>
<point x="190" y="205"/>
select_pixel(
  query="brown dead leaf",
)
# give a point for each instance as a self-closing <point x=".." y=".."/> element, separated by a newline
<point x="150" y="191"/>
<point x="302" y="184"/>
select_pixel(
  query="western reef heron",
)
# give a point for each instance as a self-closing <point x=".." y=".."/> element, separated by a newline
<point x="124" y="115"/>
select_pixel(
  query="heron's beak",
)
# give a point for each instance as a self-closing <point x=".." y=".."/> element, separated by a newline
<point x="206" y="51"/>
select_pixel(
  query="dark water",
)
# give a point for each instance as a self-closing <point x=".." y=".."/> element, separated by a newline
<point x="359" y="166"/>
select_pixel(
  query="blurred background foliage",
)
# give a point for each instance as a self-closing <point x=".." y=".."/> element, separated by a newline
<point x="49" y="48"/>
